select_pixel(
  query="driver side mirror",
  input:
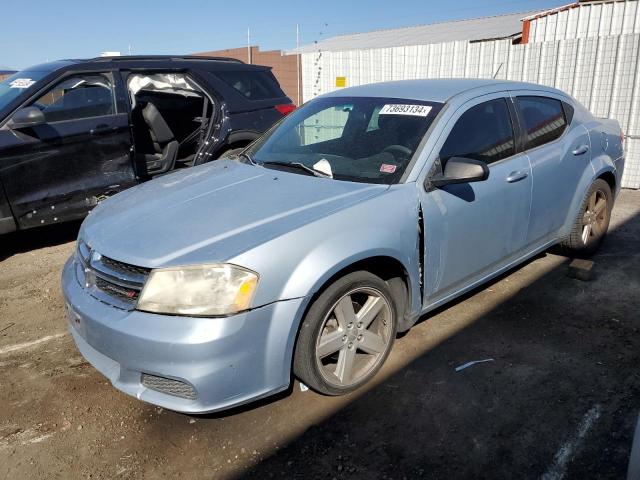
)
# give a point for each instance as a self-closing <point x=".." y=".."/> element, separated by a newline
<point x="459" y="170"/>
<point x="27" y="117"/>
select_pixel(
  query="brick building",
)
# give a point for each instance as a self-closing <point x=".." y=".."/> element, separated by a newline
<point x="5" y="73"/>
<point x="285" y="67"/>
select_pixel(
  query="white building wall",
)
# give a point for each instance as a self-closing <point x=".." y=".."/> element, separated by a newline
<point x="603" y="73"/>
<point x="587" y="20"/>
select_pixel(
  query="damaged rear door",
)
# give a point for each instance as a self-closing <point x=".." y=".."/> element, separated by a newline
<point x="79" y="154"/>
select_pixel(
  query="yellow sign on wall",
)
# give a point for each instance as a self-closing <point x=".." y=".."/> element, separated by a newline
<point x="341" y="81"/>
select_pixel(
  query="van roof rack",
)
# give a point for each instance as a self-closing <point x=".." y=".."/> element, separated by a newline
<point x="125" y="58"/>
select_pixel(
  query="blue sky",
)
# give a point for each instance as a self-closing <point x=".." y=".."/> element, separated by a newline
<point x="36" y="31"/>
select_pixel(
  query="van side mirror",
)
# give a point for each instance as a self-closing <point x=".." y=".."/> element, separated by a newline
<point x="459" y="170"/>
<point x="27" y="117"/>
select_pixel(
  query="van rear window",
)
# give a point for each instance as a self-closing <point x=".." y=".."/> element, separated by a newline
<point x="253" y="85"/>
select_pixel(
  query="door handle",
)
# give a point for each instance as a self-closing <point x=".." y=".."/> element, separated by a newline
<point x="582" y="149"/>
<point x="100" y="130"/>
<point x="516" y="176"/>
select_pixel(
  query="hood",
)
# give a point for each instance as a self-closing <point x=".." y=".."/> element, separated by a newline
<point x="212" y="213"/>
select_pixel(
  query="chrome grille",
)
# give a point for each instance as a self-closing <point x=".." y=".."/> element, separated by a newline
<point x="123" y="294"/>
<point x="169" y="386"/>
<point x="109" y="280"/>
<point x="125" y="268"/>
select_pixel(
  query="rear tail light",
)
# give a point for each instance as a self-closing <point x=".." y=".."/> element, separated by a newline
<point x="285" y="108"/>
<point x="621" y="137"/>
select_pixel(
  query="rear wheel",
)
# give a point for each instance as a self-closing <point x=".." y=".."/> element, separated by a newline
<point x="347" y="334"/>
<point x="592" y="222"/>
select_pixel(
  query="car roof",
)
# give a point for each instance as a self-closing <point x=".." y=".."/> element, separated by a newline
<point x="49" y="66"/>
<point x="151" y="61"/>
<point x="435" y="90"/>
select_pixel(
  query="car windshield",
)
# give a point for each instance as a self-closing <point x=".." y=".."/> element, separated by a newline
<point x="359" y="139"/>
<point x="16" y="84"/>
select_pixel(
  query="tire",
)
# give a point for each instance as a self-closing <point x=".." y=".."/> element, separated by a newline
<point x="232" y="152"/>
<point x="341" y="346"/>
<point x="590" y="227"/>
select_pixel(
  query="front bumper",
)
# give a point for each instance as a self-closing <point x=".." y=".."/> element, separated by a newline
<point x="228" y="361"/>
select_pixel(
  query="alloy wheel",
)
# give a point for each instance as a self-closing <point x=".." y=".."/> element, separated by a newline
<point x="595" y="217"/>
<point x="354" y="336"/>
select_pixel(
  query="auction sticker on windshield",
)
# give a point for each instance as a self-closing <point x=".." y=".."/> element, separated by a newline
<point x="405" y="109"/>
<point x="21" y="83"/>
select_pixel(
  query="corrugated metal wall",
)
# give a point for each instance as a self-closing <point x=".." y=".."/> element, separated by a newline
<point x="601" y="72"/>
<point x="587" y="20"/>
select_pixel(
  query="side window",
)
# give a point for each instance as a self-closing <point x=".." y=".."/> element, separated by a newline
<point x="77" y="97"/>
<point x="484" y="132"/>
<point x="568" y="112"/>
<point x="543" y="119"/>
<point x="252" y="84"/>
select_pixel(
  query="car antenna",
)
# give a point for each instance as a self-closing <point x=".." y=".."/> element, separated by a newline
<point x="498" y="70"/>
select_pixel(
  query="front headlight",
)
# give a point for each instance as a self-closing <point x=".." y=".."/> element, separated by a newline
<point x="203" y="290"/>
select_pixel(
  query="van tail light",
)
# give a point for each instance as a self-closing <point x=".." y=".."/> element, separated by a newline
<point x="621" y="136"/>
<point x="285" y="108"/>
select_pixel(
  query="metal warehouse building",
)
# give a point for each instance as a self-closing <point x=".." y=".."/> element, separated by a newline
<point x="589" y="49"/>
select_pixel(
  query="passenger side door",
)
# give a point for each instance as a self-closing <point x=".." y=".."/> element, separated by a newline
<point x="560" y="155"/>
<point x="60" y="169"/>
<point x="472" y="230"/>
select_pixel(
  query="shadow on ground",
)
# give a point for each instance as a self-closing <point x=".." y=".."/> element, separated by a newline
<point x="36" y="238"/>
<point x="560" y="347"/>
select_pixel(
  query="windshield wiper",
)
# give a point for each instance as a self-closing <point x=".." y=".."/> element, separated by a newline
<point x="299" y="166"/>
<point x="248" y="157"/>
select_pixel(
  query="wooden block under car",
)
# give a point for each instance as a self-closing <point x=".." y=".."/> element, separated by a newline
<point x="581" y="269"/>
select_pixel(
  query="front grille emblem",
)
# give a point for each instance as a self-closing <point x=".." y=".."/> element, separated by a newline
<point x="110" y="287"/>
<point x="111" y="281"/>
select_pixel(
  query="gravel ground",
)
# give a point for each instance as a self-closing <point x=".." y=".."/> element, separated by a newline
<point x="560" y="398"/>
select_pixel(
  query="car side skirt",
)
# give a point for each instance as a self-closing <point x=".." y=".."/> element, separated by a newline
<point x="435" y="304"/>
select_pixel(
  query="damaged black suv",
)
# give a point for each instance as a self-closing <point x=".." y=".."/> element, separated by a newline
<point x="74" y="132"/>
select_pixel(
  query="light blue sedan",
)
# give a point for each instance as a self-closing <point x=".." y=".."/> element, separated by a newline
<point x="340" y="227"/>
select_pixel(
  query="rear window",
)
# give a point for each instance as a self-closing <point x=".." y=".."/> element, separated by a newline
<point x="253" y="85"/>
<point x="543" y="119"/>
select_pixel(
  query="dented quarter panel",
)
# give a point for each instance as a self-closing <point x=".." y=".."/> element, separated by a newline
<point x="606" y="155"/>
<point x="607" y="149"/>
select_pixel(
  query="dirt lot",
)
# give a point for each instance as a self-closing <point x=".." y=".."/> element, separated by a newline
<point x="560" y="397"/>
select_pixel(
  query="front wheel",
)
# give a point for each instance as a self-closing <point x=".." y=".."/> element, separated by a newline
<point x="590" y="227"/>
<point x="346" y="335"/>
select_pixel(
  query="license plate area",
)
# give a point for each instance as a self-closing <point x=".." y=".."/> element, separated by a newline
<point x="74" y="319"/>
